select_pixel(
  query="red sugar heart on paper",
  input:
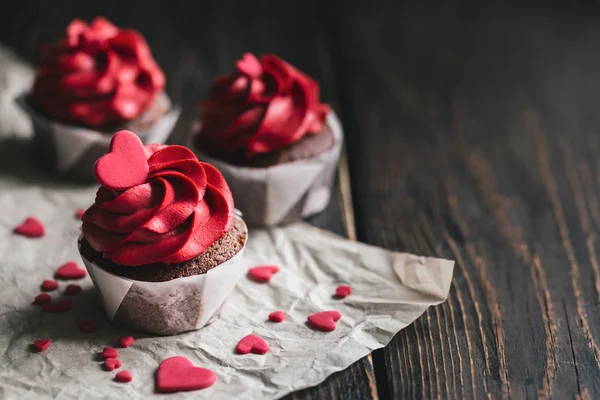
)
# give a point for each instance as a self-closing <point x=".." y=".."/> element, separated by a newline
<point x="87" y="326"/>
<point x="125" y="165"/>
<point x="126" y="341"/>
<point x="111" y="364"/>
<point x="42" y="298"/>
<point x="325" y="320"/>
<point x="178" y="374"/>
<point x="41" y="344"/>
<point x="109" y="352"/>
<point x="49" y="285"/>
<point x="58" y="306"/>
<point x="72" y="289"/>
<point x="79" y="213"/>
<point x="252" y="343"/>
<point x="276" y="316"/>
<point x="263" y="273"/>
<point x="31" y="227"/>
<point x="343" y="291"/>
<point x="70" y="270"/>
<point x="123" y="376"/>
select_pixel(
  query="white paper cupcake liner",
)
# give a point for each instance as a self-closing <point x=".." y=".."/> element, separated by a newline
<point x="71" y="151"/>
<point x="170" y="307"/>
<point x="282" y="193"/>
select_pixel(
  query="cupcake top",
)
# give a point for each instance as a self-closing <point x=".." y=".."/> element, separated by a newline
<point x="97" y="76"/>
<point x="264" y="106"/>
<point x="157" y="204"/>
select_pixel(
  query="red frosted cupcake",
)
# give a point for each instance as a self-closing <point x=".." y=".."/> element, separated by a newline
<point x="161" y="242"/>
<point x="267" y="131"/>
<point x="96" y="80"/>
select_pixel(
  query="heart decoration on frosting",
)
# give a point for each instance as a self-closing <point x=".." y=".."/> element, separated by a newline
<point x="178" y="374"/>
<point x="125" y="164"/>
<point x="325" y="320"/>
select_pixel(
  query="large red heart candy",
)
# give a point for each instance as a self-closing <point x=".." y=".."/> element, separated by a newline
<point x="252" y="343"/>
<point x="111" y="364"/>
<point x="125" y="164"/>
<point x="325" y="320"/>
<point x="110" y="352"/>
<point x="263" y="273"/>
<point x="31" y="227"/>
<point x="178" y="374"/>
<point x="70" y="270"/>
<point x="41" y="344"/>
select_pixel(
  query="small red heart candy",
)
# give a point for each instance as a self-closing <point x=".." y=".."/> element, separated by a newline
<point x="72" y="289"/>
<point x="70" y="270"/>
<point x="123" y="376"/>
<point x="263" y="273"/>
<point x="109" y="352"/>
<point x="111" y="364"/>
<point x="79" y="213"/>
<point x="276" y="316"/>
<point x="325" y="320"/>
<point x="42" y="298"/>
<point x="343" y="291"/>
<point x="126" y="341"/>
<point x="41" y="344"/>
<point x="178" y="374"/>
<point x="87" y="326"/>
<point x="252" y="343"/>
<point x="49" y="285"/>
<point x="125" y="165"/>
<point x="57" y="307"/>
<point x="31" y="227"/>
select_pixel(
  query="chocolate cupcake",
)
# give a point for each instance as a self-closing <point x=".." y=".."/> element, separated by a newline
<point x="277" y="145"/>
<point x="96" y="80"/>
<point x="162" y="241"/>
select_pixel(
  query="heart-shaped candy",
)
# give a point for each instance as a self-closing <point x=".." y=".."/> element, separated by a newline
<point x="72" y="289"/>
<point x="87" y="326"/>
<point x="343" y="291"/>
<point x="263" y="273"/>
<point x="252" y="343"/>
<point x="123" y="376"/>
<point x="58" y="306"/>
<point x="126" y="341"/>
<point x="125" y="165"/>
<point x="109" y="352"/>
<point x="325" y="320"/>
<point x="49" y="285"/>
<point x="42" y="298"/>
<point x="31" y="227"/>
<point x="277" y="316"/>
<point x="41" y="344"/>
<point x="178" y="374"/>
<point x="110" y="364"/>
<point x="70" y="270"/>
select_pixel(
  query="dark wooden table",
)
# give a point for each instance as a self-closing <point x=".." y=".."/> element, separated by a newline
<point x="472" y="134"/>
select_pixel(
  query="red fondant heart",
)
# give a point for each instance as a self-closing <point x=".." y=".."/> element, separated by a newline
<point x="87" y="326"/>
<point x="276" y="316"/>
<point x="343" y="291"/>
<point x="252" y="343"/>
<point x="72" y="289"/>
<point x="79" y="213"/>
<point x="41" y="344"/>
<point x="31" y="227"/>
<point x="42" y="298"/>
<point x="325" y="320"/>
<point x="109" y="352"/>
<point x="123" y="376"/>
<point x="263" y="273"/>
<point x="125" y="164"/>
<point x="178" y="374"/>
<point x="70" y="270"/>
<point x="49" y="285"/>
<point x="111" y="364"/>
<point x="57" y="307"/>
<point x="126" y="341"/>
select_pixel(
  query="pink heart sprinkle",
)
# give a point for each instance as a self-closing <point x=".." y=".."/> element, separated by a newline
<point x="31" y="227"/>
<point x="178" y="374"/>
<point x="111" y="364"/>
<point x="42" y="298"/>
<point x="41" y="344"/>
<point x="70" y="270"/>
<point x="343" y="291"/>
<point x="58" y="306"/>
<point x="263" y="273"/>
<point x="325" y="320"/>
<point x="109" y="352"/>
<point x="123" y="376"/>
<point x="87" y="326"/>
<point x="72" y="289"/>
<point x="125" y="165"/>
<point x="252" y="343"/>
<point x="277" y="316"/>
<point x="49" y="285"/>
<point x="126" y="341"/>
<point x="79" y="213"/>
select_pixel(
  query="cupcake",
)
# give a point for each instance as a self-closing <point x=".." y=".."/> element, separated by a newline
<point x="277" y="145"/>
<point x="162" y="241"/>
<point x="96" y="80"/>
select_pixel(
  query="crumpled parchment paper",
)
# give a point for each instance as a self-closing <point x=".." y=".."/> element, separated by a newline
<point x="390" y="290"/>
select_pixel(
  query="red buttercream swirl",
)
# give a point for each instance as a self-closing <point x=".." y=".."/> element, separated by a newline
<point x="264" y="106"/>
<point x="180" y="210"/>
<point x="97" y="75"/>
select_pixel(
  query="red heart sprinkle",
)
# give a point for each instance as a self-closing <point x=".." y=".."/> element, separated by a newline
<point x="79" y="213"/>
<point x="263" y="273"/>
<point x="123" y="376"/>
<point x="42" y="298"/>
<point x="252" y="343"/>
<point x="41" y="344"/>
<point x="70" y="270"/>
<point x="109" y="352"/>
<point x="72" y="289"/>
<point x="111" y="364"/>
<point x="49" y="285"/>
<point x="57" y="307"/>
<point x="325" y="320"/>
<point x="125" y="165"/>
<point x="178" y="374"/>
<point x="87" y="326"/>
<point x="126" y="341"/>
<point x="343" y="291"/>
<point x="276" y="316"/>
<point x="31" y="227"/>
